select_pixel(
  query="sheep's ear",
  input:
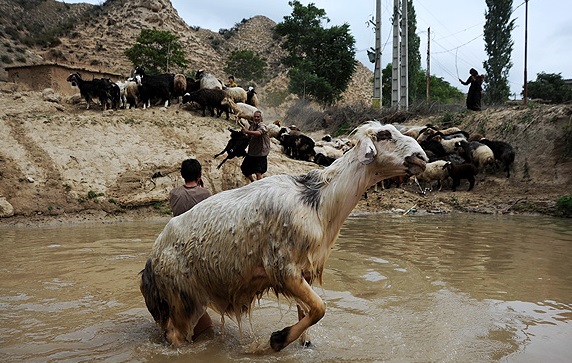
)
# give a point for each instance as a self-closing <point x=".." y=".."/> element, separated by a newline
<point x="366" y="151"/>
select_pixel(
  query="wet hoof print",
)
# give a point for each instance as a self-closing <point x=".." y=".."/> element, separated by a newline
<point x="278" y="339"/>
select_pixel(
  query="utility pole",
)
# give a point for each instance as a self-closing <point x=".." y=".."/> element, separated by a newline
<point x="428" y="63"/>
<point x="404" y="102"/>
<point x="525" y="92"/>
<point x="376" y="57"/>
<point x="395" y="68"/>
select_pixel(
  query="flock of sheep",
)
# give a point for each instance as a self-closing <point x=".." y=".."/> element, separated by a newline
<point x="453" y="153"/>
<point x="458" y="155"/>
<point x="146" y="90"/>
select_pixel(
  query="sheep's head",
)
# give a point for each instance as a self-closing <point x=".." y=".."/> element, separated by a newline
<point x="390" y="152"/>
<point x="74" y="79"/>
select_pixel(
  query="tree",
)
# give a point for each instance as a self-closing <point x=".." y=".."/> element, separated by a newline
<point x="441" y="90"/>
<point x="246" y="65"/>
<point x="321" y="61"/>
<point x="498" y="45"/>
<point x="159" y="51"/>
<point x="549" y="87"/>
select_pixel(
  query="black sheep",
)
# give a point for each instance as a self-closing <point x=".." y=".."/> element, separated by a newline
<point x="235" y="147"/>
<point x="297" y="145"/>
<point x="462" y="171"/>
<point x="502" y="151"/>
<point x="433" y="147"/>
<point x="323" y="160"/>
<point x="100" y="88"/>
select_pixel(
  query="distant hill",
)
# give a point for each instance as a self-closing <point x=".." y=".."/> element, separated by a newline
<point x="96" y="36"/>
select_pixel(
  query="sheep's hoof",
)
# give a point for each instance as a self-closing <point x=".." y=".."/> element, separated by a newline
<point x="306" y="344"/>
<point x="278" y="339"/>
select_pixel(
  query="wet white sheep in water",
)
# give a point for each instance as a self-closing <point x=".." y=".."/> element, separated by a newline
<point x="271" y="235"/>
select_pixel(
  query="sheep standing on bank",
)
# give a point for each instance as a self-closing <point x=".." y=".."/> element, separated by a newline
<point x="179" y="86"/>
<point x="238" y="94"/>
<point x="102" y="89"/>
<point x="213" y="99"/>
<point x="131" y="93"/>
<point x="457" y="172"/>
<point x="479" y="154"/>
<point x="434" y="171"/>
<point x="271" y="235"/>
<point x="252" y="98"/>
<point x="122" y="93"/>
<point x="502" y="151"/>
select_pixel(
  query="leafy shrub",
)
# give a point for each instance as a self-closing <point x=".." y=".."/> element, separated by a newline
<point x="92" y="195"/>
<point x="6" y="59"/>
<point x="564" y="206"/>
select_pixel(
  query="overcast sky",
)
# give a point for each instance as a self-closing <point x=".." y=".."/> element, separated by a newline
<point x="456" y="31"/>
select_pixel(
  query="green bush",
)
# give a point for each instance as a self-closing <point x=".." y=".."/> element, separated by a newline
<point x="6" y="59"/>
<point x="564" y="206"/>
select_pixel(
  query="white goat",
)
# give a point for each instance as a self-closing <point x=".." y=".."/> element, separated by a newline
<point x="122" y="93"/>
<point x="272" y="235"/>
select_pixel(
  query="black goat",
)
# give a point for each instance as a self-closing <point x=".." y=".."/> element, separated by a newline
<point x="103" y="89"/>
<point x="297" y="145"/>
<point x="462" y="171"/>
<point x="502" y="151"/>
<point x="235" y="147"/>
<point x="211" y="99"/>
<point x="152" y="87"/>
<point x="433" y="147"/>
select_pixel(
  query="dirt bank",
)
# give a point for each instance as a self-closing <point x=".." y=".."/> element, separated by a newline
<point x="62" y="163"/>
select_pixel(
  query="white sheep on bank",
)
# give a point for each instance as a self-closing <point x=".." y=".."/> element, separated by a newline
<point x="238" y="94"/>
<point x="449" y="144"/>
<point x="434" y="171"/>
<point x="271" y="235"/>
<point x="328" y="148"/>
<point x="479" y="154"/>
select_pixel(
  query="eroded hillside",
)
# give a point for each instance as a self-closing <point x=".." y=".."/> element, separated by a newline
<point x="56" y="158"/>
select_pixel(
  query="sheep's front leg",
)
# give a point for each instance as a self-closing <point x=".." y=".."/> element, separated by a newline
<point x="304" y="339"/>
<point x="299" y="288"/>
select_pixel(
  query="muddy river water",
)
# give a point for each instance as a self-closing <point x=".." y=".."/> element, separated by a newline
<point x="447" y="288"/>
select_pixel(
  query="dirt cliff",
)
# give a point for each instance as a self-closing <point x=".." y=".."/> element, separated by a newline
<point x="59" y="160"/>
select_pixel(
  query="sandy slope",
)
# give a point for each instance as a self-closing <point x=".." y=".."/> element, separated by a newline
<point x="61" y="162"/>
